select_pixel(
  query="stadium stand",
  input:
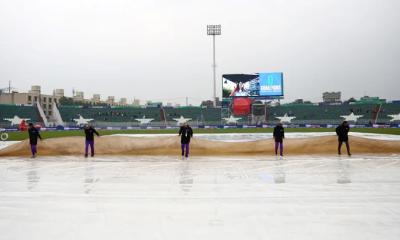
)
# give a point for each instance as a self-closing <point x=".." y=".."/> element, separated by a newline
<point x="330" y="114"/>
<point x="125" y="116"/>
<point x="107" y="114"/>
<point x="305" y="113"/>
<point x="9" y="111"/>
<point x="129" y="114"/>
<point x="393" y="108"/>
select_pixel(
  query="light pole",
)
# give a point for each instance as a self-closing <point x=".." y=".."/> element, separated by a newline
<point x="214" y="30"/>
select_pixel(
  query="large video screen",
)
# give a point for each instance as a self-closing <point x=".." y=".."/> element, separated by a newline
<point x="262" y="85"/>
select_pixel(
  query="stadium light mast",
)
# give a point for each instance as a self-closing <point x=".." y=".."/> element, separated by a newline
<point x="214" y="30"/>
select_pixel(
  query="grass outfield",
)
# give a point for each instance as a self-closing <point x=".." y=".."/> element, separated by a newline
<point x="15" y="136"/>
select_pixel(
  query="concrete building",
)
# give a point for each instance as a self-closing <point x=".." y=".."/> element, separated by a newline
<point x="34" y="97"/>
<point x="58" y="93"/>
<point x="331" y="97"/>
<point x="136" y="102"/>
<point x="79" y="96"/>
<point x="154" y="104"/>
<point x="210" y="103"/>
<point x="96" y="99"/>
<point x="123" y="102"/>
<point x="15" y="98"/>
<point x="111" y="100"/>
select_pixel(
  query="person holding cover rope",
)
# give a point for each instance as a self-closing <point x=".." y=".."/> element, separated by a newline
<point x="342" y="131"/>
<point x="33" y="138"/>
<point x="186" y="133"/>
<point x="279" y="135"/>
<point x="89" y="139"/>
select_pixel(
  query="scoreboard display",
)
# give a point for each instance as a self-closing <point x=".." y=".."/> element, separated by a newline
<point x="259" y="85"/>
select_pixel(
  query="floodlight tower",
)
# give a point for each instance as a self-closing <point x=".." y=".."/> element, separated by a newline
<point x="214" y="30"/>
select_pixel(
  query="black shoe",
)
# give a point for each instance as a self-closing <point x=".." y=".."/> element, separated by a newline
<point x="92" y="155"/>
<point x="86" y="155"/>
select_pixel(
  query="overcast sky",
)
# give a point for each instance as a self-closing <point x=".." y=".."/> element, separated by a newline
<point x="159" y="50"/>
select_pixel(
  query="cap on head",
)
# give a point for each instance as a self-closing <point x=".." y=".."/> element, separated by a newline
<point x="30" y="124"/>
